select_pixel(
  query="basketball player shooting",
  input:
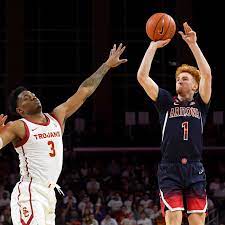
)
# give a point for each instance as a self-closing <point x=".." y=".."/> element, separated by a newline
<point x="181" y="175"/>
<point x="37" y="138"/>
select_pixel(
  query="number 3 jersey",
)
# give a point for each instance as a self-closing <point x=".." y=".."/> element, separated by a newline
<point x="182" y="126"/>
<point x="41" y="151"/>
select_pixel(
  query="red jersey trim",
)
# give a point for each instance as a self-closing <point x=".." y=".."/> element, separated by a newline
<point x="43" y="124"/>
<point x="25" y="138"/>
<point x="55" y="117"/>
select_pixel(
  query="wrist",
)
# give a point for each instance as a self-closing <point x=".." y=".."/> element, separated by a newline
<point x="107" y="65"/>
<point x="152" y="47"/>
<point x="192" y="45"/>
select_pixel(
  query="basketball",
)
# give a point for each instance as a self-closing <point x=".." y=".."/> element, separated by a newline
<point x="160" y="26"/>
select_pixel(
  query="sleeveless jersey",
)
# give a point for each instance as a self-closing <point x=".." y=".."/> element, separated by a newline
<point x="182" y="126"/>
<point x="41" y="151"/>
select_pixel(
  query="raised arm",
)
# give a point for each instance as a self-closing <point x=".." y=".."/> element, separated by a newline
<point x="150" y="87"/>
<point x="66" y="109"/>
<point x="205" y="85"/>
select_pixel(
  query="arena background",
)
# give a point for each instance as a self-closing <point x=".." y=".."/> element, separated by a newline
<point x="51" y="47"/>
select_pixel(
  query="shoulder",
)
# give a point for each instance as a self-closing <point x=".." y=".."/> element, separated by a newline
<point x="16" y="125"/>
<point x="20" y="128"/>
<point x="57" y="117"/>
<point x="15" y="130"/>
<point x="200" y="102"/>
<point x="164" y="99"/>
<point x="163" y="93"/>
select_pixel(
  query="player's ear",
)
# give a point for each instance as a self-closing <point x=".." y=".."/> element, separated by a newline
<point x="19" y="111"/>
<point x="195" y="87"/>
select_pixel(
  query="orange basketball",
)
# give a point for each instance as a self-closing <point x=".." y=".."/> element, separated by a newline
<point x="160" y="26"/>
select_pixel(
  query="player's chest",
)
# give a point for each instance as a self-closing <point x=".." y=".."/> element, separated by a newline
<point x="183" y="112"/>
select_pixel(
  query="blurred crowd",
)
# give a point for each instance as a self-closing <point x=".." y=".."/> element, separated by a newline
<point x="107" y="188"/>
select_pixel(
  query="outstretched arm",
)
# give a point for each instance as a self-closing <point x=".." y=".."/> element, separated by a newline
<point x="205" y="89"/>
<point x="150" y="87"/>
<point x="66" y="109"/>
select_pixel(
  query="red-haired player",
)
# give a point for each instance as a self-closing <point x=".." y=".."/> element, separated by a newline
<point x="181" y="175"/>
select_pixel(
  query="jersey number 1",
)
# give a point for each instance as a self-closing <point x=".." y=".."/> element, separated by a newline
<point x="185" y="130"/>
<point x="52" y="147"/>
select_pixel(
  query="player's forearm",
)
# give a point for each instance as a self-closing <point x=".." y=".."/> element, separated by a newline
<point x="4" y="141"/>
<point x="146" y="63"/>
<point x="92" y="82"/>
<point x="201" y="61"/>
<point x="7" y="134"/>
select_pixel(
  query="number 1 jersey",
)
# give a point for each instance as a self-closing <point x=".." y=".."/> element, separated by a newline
<point x="182" y="126"/>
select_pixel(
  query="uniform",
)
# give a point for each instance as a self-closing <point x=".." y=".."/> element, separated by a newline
<point x="41" y="155"/>
<point x="181" y="175"/>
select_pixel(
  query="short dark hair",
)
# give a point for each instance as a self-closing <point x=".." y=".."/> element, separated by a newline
<point x="13" y="99"/>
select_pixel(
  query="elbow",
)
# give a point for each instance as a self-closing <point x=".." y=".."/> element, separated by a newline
<point x="208" y="76"/>
<point x="85" y="92"/>
<point x="140" y="77"/>
<point x="208" y="73"/>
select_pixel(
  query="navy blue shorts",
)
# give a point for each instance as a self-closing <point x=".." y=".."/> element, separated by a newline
<point x="182" y="186"/>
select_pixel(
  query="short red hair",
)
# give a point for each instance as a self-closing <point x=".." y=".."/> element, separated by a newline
<point x="195" y="73"/>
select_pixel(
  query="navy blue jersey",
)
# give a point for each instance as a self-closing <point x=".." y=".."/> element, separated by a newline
<point x="182" y="126"/>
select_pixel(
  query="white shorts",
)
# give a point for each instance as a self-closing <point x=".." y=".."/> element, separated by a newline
<point x="32" y="204"/>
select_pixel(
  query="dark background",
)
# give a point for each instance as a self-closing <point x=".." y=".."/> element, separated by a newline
<point x="51" y="47"/>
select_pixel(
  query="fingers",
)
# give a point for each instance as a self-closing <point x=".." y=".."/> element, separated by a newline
<point x="185" y="36"/>
<point x="181" y="33"/>
<point x="119" y="50"/>
<point x="115" y="54"/>
<point x="3" y="118"/>
<point x="123" y="60"/>
<point x="112" y="51"/>
<point x="191" y="32"/>
<point x="165" y="42"/>
<point x="187" y="28"/>
<point x="162" y="43"/>
<point x="120" y="46"/>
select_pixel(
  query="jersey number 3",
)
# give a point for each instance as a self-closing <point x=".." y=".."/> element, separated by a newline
<point x="52" y="147"/>
<point x="185" y="130"/>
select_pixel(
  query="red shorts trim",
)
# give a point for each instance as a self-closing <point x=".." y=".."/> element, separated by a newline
<point x="197" y="204"/>
<point x="174" y="202"/>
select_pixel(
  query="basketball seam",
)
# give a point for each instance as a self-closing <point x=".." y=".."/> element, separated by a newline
<point x="166" y="29"/>
<point x="156" y="26"/>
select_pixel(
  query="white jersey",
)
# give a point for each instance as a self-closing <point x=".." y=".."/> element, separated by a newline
<point x="41" y="151"/>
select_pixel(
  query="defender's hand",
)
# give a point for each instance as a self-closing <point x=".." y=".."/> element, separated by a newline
<point x="3" y="118"/>
<point x="114" y="56"/>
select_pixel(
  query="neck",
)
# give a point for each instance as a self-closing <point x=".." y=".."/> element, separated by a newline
<point x="188" y="97"/>
<point x="37" y="118"/>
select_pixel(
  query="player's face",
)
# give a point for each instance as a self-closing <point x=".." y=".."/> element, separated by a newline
<point x="28" y="104"/>
<point x="185" y="84"/>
